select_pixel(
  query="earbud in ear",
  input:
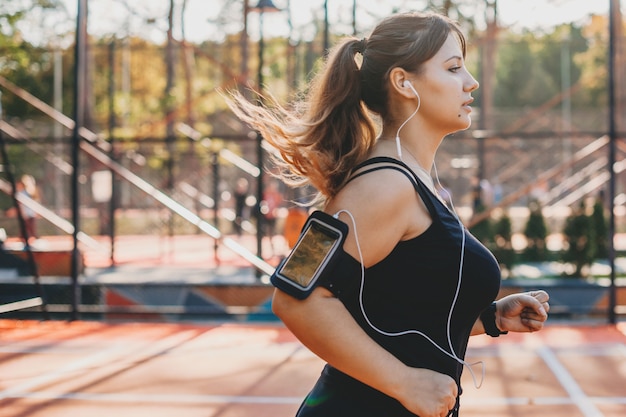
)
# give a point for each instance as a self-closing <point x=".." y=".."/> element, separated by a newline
<point x="408" y="84"/>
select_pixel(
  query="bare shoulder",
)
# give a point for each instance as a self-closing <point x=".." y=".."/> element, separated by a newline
<point x="384" y="208"/>
<point x="378" y="191"/>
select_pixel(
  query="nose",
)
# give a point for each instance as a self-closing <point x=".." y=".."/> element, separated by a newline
<point x="471" y="83"/>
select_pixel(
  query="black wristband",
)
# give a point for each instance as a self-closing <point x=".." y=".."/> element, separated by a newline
<point x="488" y="318"/>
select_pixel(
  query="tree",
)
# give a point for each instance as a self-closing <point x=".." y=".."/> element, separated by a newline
<point x="521" y="80"/>
<point x="599" y="224"/>
<point x="557" y="51"/>
<point x="536" y="233"/>
<point x="527" y="72"/>
<point x="29" y="65"/>
<point x="482" y="230"/>
<point x="594" y="62"/>
<point x="580" y="237"/>
<point x="503" y="249"/>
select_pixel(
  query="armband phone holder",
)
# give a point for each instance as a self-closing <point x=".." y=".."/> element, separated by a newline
<point x="312" y="256"/>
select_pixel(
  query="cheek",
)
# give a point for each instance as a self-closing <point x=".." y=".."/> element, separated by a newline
<point x="441" y="103"/>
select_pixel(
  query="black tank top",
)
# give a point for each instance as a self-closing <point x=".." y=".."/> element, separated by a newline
<point x="413" y="288"/>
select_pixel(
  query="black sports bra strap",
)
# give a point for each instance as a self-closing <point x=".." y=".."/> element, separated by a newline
<point x="390" y="163"/>
<point x="377" y="168"/>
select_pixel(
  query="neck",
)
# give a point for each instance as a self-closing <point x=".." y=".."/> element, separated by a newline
<point x="387" y="147"/>
<point x="412" y="160"/>
<point x="420" y="154"/>
<point x="420" y="144"/>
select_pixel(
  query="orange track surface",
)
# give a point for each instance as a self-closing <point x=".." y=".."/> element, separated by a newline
<point x="50" y="369"/>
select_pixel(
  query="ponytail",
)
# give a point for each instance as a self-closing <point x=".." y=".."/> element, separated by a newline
<point x="341" y="131"/>
<point x="321" y="139"/>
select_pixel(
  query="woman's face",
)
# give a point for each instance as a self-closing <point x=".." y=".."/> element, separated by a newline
<point x="445" y="86"/>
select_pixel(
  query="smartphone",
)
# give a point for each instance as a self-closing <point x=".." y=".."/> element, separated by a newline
<point x="313" y="254"/>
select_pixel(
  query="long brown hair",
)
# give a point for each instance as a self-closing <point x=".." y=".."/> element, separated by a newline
<point x="321" y="138"/>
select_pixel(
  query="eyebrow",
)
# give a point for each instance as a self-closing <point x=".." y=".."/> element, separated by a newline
<point x="454" y="57"/>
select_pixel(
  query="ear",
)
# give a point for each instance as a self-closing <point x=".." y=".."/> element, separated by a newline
<point x="397" y="80"/>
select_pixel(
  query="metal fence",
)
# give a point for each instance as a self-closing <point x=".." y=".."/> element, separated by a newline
<point x="505" y="172"/>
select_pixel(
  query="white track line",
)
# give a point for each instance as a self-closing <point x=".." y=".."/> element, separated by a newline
<point x="161" y="398"/>
<point x="577" y="395"/>
<point x="250" y="399"/>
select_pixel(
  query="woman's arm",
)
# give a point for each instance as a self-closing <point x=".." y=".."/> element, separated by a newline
<point x="523" y="312"/>
<point x="322" y="323"/>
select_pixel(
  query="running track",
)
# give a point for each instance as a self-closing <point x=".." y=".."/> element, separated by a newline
<point x="54" y="368"/>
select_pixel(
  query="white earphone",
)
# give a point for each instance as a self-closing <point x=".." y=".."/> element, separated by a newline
<point x="451" y="353"/>
<point x="407" y="84"/>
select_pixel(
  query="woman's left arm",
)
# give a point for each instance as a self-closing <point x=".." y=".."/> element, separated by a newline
<point x="522" y="312"/>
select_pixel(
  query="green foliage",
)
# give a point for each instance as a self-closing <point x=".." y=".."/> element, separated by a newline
<point x="600" y="227"/>
<point x="502" y="229"/>
<point x="580" y="237"/>
<point x="528" y="71"/>
<point x="24" y="64"/>
<point x="483" y="230"/>
<point x="557" y="52"/>
<point x="531" y="66"/>
<point x="536" y="233"/>
<point x="594" y="63"/>
<point x="503" y="249"/>
<point x="520" y="78"/>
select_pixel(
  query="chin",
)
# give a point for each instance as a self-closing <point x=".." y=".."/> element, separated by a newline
<point x="463" y="123"/>
<point x="458" y="124"/>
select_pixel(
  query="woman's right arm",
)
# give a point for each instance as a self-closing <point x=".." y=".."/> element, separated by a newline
<point x="324" y="325"/>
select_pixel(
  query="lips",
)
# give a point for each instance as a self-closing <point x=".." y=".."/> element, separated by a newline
<point x="468" y="102"/>
<point x="467" y="106"/>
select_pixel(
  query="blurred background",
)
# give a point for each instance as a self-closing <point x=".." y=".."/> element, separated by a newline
<point x="114" y="109"/>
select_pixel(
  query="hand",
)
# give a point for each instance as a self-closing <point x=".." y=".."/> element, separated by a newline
<point x="427" y="393"/>
<point x="523" y="312"/>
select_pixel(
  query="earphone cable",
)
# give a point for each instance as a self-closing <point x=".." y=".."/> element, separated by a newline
<point x="452" y="354"/>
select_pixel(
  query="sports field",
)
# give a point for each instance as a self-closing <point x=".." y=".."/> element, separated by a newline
<point x="58" y="368"/>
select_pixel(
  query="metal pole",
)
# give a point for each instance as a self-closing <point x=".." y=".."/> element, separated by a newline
<point x="259" y="198"/>
<point x="112" y="121"/>
<point x="613" y="8"/>
<point x="262" y="7"/>
<point x="260" y="225"/>
<point x="326" y="28"/>
<point x="58" y="147"/>
<point x="244" y="46"/>
<point x="486" y="82"/>
<point x="260" y="80"/>
<point x="79" y="112"/>
<point x="169" y="110"/>
<point x="216" y="199"/>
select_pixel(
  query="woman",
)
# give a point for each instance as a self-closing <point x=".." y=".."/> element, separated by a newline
<point x="394" y="319"/>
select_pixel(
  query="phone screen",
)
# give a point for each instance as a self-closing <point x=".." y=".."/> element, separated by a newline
<point x="310" y="255"/>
